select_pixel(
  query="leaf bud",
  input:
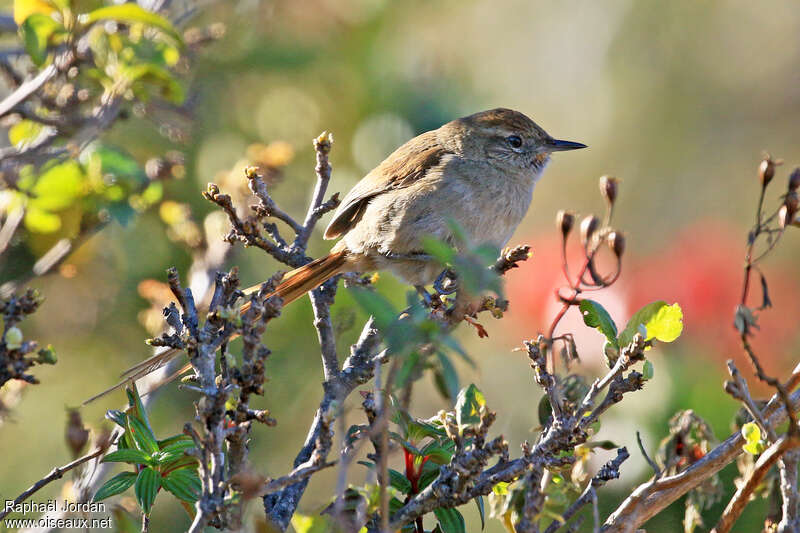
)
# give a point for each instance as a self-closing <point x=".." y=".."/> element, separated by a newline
<point x="47" y="356"/>
<point x="564" y="221"/>
<point x="588" y="226"/>
<point x="608" y="188"/>
<point x="13" y="338"/>
<point x="616" y="241"/>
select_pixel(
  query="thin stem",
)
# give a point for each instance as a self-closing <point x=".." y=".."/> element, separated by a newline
<point x="54" y="474"/>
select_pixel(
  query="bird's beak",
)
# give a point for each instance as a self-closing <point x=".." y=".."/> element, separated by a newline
<point x="554" y="145"/>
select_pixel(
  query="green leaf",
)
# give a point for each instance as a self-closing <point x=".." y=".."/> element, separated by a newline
<point x="450" y="520"/>
<point x="430" y="471"/>
<point x="667" y="324"/>
<point x="132" y="13"/>
<point x="595" y="316"/>
<point x="648" y="371"/>
<point x="468" y="406"/>
<point x="440" y="250"/>
<point x="116" y="485"/>
<point x="171" y="89"/>
<point x="127" y="455"/>
<point x="118" y="417"/>
<point x="439" y="453"/>
<point x="376" y="305"/>
<point x="146" y="488"/>
<point x="172" y="452"/>
<point x="183" y="484"/>
<point x="36" y="32"/>
<point x="142" y="436"/>
<point x="481" y="511"/>
<point x="135" y="401"/>
<point x="448" y="376"/>
<point x="399" y="481"/>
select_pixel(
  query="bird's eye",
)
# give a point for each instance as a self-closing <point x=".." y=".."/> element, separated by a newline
<point x="514" y="141"/>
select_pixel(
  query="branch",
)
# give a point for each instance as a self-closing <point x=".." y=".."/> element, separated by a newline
<point x="742" y="497"/>
<point x="609" y="471"/>
<point x="649" y="499"/>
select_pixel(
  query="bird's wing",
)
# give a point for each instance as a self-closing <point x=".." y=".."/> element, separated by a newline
<point x="403" y="167"/>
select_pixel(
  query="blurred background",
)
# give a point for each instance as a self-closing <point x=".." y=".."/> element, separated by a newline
<point x="677" y="99"/>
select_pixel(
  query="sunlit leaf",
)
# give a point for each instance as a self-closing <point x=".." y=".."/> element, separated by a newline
<point x="666" y="325"/>
<point x="640" y="318"/>
<point x="40" y="221"/>
<point x="25" y="8"/>
<point x="132" y="13"/>
<point x="310" y="523"/>
<point x="58" y="187"/>
<point x="24" y="132"/>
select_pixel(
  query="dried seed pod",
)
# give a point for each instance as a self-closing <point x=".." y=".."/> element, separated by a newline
<point x="76" y="435"/>
<point x="588" y="226"/>
<point x="616" y="241"/>
<point x="794" y="180"/>
<point x="608" y="188"/>
<point x="766" y="171"/>
<point x="564" y="222"/>
<point x="792" y="201"/>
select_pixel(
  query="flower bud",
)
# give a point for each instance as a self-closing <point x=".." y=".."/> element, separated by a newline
<point x="792" y="201"/>
<point x="588" y="226"/>
<point x="794" y="180"/>
<point x="564" y="221"/>
<point x="608" y="188"/>
<point x="785" y="216"/>
<point x="616" y="241"/>
<point x="766" y="171"/>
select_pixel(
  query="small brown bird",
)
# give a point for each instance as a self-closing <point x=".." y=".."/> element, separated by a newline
<point x="478" y="171"/>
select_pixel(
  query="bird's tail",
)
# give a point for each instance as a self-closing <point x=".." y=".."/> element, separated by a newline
<point x="294" y="285"/>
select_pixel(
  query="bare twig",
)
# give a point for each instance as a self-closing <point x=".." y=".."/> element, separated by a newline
<point x="54" y="474"/>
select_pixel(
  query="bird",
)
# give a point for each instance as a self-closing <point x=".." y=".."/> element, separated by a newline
<point x="477" y="171"/>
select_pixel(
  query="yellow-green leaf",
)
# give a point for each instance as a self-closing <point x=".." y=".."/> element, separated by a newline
<point x="36" y="32"/>
<point x="24" y="132"/>
<point x="25" y="8"/>
<point x="40" y="221"/>
<point x="751" y="432"/>
<point x="132" y="13"/>
<point x="667" y="324"/>
<point x="310" y="524"/>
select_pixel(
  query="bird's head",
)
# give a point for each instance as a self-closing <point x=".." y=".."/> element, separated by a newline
<point x="506" y="138"/>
